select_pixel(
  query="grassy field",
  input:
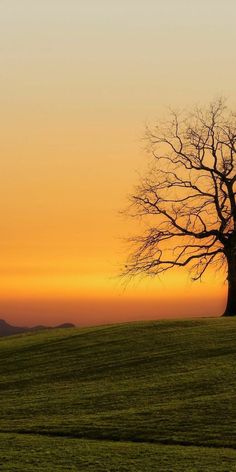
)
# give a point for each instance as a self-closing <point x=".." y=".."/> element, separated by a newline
<point x="155" y="396"/>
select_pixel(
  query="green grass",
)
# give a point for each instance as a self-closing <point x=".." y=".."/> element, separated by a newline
<point x="142" y="396"/>
<point x="43" y="454"/>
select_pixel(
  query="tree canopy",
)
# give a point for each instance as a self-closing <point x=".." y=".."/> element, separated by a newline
<point x="187" y="197"/>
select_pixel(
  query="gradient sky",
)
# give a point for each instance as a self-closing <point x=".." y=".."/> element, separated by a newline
<point x="79" y="80"/>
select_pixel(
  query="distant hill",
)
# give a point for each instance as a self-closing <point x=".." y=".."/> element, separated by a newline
<point x="8" y="330"/>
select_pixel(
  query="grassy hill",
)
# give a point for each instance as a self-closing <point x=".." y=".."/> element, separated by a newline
<point x="154" y="396"/>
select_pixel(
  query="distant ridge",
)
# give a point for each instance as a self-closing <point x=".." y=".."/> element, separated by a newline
<point x="8" y="330"/>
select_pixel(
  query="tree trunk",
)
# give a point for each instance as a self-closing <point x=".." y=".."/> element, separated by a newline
<point x="231" y="299"/>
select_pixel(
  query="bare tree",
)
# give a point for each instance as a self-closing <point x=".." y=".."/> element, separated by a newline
<point x="188" y="198"/>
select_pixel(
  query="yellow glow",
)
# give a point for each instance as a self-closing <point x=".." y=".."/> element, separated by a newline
<point x="79" y="81"/>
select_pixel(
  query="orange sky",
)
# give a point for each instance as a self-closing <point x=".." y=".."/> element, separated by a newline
<point x="79" y="80"/>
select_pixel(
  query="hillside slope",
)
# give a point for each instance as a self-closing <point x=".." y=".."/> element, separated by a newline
<point x="169" y="383"/>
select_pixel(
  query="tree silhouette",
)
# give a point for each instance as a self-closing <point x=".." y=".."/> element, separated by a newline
<point x="188" y="199"/>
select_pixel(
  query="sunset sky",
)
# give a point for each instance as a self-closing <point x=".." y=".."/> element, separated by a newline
<point x="79" y="81"/>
